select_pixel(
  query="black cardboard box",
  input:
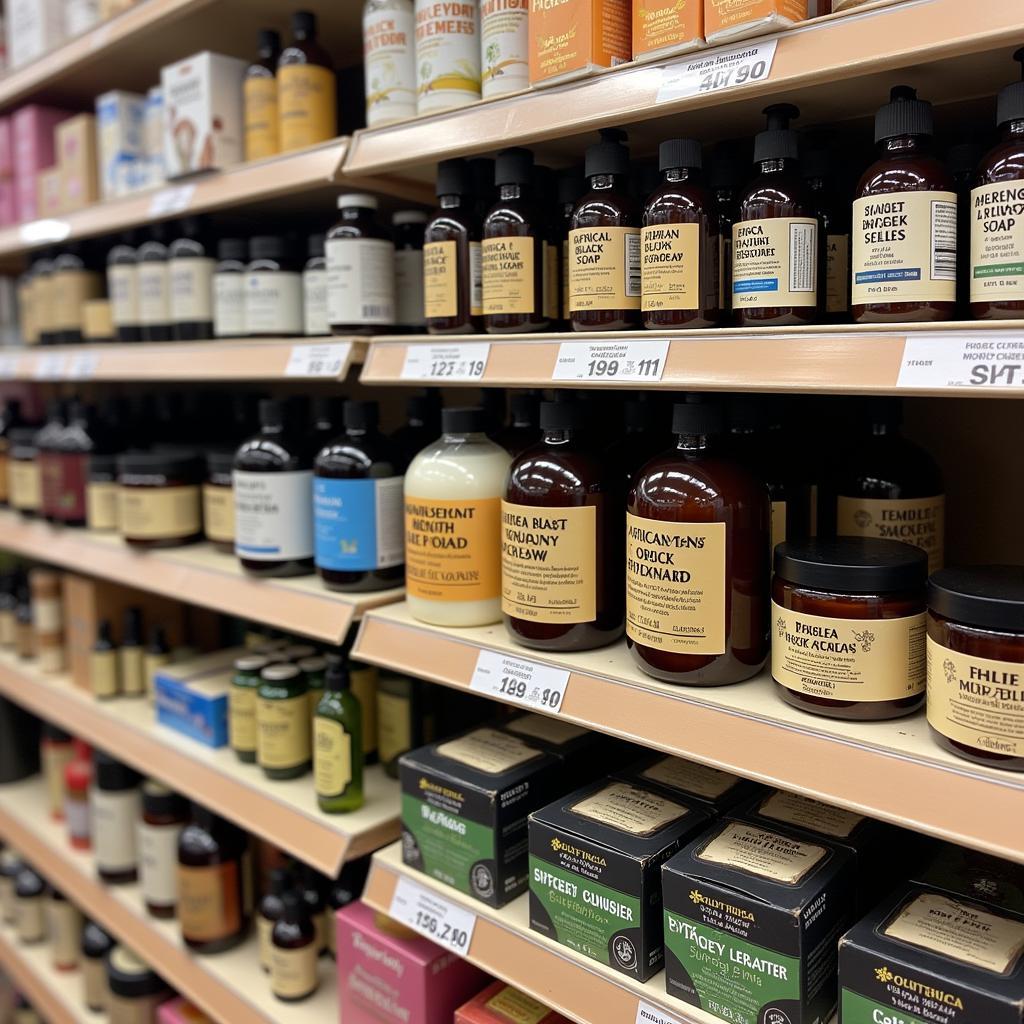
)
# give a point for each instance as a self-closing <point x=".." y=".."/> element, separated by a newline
<point x="721" y="791"/>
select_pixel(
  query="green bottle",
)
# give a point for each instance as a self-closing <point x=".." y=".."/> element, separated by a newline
<point x="245" y="685"/>
<point x="282" y="722"/>
<point x="338" y="743"/>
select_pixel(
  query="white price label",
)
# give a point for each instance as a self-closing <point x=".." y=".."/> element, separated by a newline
<point x="446" y="362"/>
<point x="169" y="201"/>
<point x="647" y="1014"/>
<point x="318" y="360"/>
<point x="520" y="682"/>
<point x="8" y="367"/>
<point x="49" y="367"/>
<point x="986" y="359"/>
<point x="717" y="70"/>
<point x="625" y="361"/>
<point x="433" y="916"/>
<point x="83" y="366"/>
<point x="42" y="232"/>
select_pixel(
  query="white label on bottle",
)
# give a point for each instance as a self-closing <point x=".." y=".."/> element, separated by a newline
<point x="409" y="288"/>
<point x="158" y="862"/>
<point x="520" y="682"/>
<point x="318" y="360"/>
<point x="430" y="914"/>
<point x="273" y="302"/>
<point x="229" y="305"/>
<point x="314" y="298"/>
<point x="466" y="361"/>
<point x="360" y="281"/>
<point x="191" y="290"/>
<point x="273" y="515"/>
<point x="647" y="1014"/>
<point x="123" y="285"/>
<point x="114" y="816"/>
<point x="611" y="360"/>
<point x="76" y="814"/>
<point x="154" y="294"/>
<point x="983" y="360"/>
<point x="716" y="71"/>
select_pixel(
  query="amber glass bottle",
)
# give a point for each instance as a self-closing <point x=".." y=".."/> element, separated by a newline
<point x="570" y="188"/>
<point x="697" y="529"/>
<point x="307" y="104"/>
<point x="725" y="178"/>
<point x="522" y="430"/>
<point x="644" y="434"/>
<point x="294" y="951"/>
<point x="832" y="208"/>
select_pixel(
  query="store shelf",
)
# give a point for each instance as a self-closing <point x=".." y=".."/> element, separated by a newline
<point x="229" y="986"/>
<point x="197" y="574"/>
<point x="283" y="812"/>
<point x="889" y="770"/>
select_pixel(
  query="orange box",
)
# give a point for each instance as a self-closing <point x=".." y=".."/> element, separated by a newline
<point x="725" y="20"/>
<point x="662" y="28"/>
<point x="49" y="192"/>
<point x="78" y="160"/>
<point x="502" y="1004"/>
<point x="573" y="38"/>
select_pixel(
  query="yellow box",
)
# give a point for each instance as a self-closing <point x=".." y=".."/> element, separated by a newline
<point x="572" y="38"/>
<point x="48" y="188"/>
<point x="78" y="160"/>
<point x="725" y="20"/>
<point x="662" y="28"/>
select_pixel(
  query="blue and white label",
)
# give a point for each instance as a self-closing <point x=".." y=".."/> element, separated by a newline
<point x="358" y="523"/>
<point x="273" y="515"/>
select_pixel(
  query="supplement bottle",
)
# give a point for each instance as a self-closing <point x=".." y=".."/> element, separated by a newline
<point x="407" y="229"/>
<point x="259" y="98"/>
<point x="74" y="283"/>
<point x="135" y="989"/>
<point x="242" y="697"/>
<point x="775" y="236"/>
<point x="164" y="815"/>
<point x="904" y="222"/>
<point x="453" y="492"/>
<point x="116" y="804"/>
<point x="219" y="500"/>
<point x="229" y="288"/>
<point x="269" y="911"/>
<point x="190" y="266"/>
<point x="452" y="256"/>
<point x="30" y="906"/>
<point x="130" y="655"/>
<point x="357" y="506"/>
<point x="697" y="559"/>
<point x="680" y="243"/>
<point x="389" y="61"/>
<point x="282" y="723"/>
<point x="77" y="783"/>
<point x="360" y="269"/>
<point x="160" y="501"/>
<point x="273" y="289"/>
<point x="123" y="287"/>
<point x="65" y="928"/>
<point x="294" y="951"/>
<point x="307" y="105"/>
<point x="314" y="288"/>
<point x="73" y="447"/>
<point x="312" y="886"/>
<point x="56" y="752"/>
<point x="154" y="287"/>
<point x="561" y="545"/>
<point x="604" y="244"/>
<point x="832" y="208"/>
<point x="504" y="47"/>
<point x="447" y="55"/>
<point x="96" y="947"/>
<point x="997" y="226"/>
<point x="338" y="743"/>
<point x="103" y="680"/>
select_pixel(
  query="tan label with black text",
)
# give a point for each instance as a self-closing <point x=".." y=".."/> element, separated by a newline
<point x="837" y="274"/>
<point x="508" y="275"/>
<point x="242" y="718"/>
<point x="283" y="731"/>
<point x="690" y="777"/>
<point x="917" y="521"/>
<point x="604" y="269"/>
<point x="103" y="673"/>
<point x="759" y="851"/>
<point x="670" y="271"/>
<point x="26" y="485"/>
<point x="261" y="116"/>
<point x="264" y="930"/>
<point x="441" y="279"/>
<point x="630" y="809"/>
<point x="218" y="513"/>
<point x="802" y="811"/>
<point x="488" y="750"/>
<point x="543" y="728"/>
<point x="775" y="262"/>
<point x="159" y="513"/>
<point x="332" y="757"/>
<point x="476" y="278"/>
<point x="208" y="901"/>
<point x="101" y="505"/>
<point x="307" y="105"/>
<point x="293" y="972"/>
<point x="997" y="242"/>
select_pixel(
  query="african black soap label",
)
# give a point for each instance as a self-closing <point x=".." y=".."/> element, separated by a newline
<point x="997" y="242"/>
<point x="604" y="268"/>
<point x="762" y="852"/>
<point x="630" y="809"/>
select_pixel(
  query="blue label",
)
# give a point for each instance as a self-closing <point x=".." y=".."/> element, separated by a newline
<point x="875" y="276"/>
<point x="756" y="284"/>
<point x="357" y="523"/>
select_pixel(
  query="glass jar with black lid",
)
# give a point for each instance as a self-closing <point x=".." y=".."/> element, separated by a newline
<point x="159" y="497"/>
<point x="135" y="988"/>
<point x="219" y="500"/>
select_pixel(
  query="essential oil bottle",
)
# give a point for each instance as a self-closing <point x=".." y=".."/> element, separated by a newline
<point x="338" y="743"/>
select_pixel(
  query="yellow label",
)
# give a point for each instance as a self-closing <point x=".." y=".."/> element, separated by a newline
<point x="904" y="248"/>
<point x="242" y="729"/>
<point x="101" y="505"/>
<point x="775" y="262"/>
<point x="848" y="659"/>
<point x="658" y="24"/>
<point x="133" y="673"/>
<point x="26" y="485"/>
<point x="917" y="521"/>
<point x="208" y="901"/>
<point x="218" y="513"/>
<point x="690" y="777"/>
<point x="802" y="811"/>
<point x="441" y="279"/>
<point x="307" y="105"/>
<point x="549" y="563"/>
<point x="976" y="701"/>
<point x="283" y="732"/>
<point x="758" y="851"/>
<point x="997" y="242"/>
<point x="960" y="931"/>
<point x="261" y="117"/>
<point x="675" y="585"/>
<point x="159" y="513"/>
<point x="73" y="288"/>
<point x="476" y="278"/>
<point x="264" y="929"/>
<point x="630" y="809"/>
<point x="552" y="291"/>
<point x="516" y="1007"/>
<point x="778" y="523"/>
<point x="293" y="972"/>
<point x="837" y="274"/>
<point x="394" y="725"/>
<point x="363" y="680"/>
<point x="543" y="728"/>
<point x="103" y="673"/>
<point x="671" y="267"/>
<point x="604" y="269"/>
<point x="453" y="548"/>
<point x="332" y="757"/>
<point x="489" y="751"/>
<point x="508" y="275"/>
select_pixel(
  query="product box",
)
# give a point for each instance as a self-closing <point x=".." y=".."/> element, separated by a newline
<point x="78" y="160"/>
<point x="153" y="137"/>
<point x="388" y="979"/>
<point x="119" y="120"/>
<point x="110" y="8"/>
<point x="573" y="38"/>
<point x="80" y="16"/>
<point x="595" y="871"/>
<point x="502" y="1004"/>
<point x="752" y="918"/>
<point x="580" y="749"/>
<point x="34" y="129"/>
<point x="927" y="956"/>
<point x="34" y="27"/>
<point x="192" y="696"/>
<point x="180" y="1011"/>
<point x="8" y="196"/>
<point x="725" y="20"/>
<point x="48" y="202"/>
<point x="678" y="777"/>
<point x="204" y="126"/>
<point x="465" y="802"/>
<point x="978" y="876"/>
<point x="663" y="28"/>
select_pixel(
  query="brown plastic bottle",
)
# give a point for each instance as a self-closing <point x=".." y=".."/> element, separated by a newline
<point x="996" y="283"/>
<point x="452" y="281"/>
<point x="561" y="546"/>
<point x="294" y="951"/>
<point x="697" y="529"/>
<point x="604" y="244"/>
<point x="514" y="250"/>
<point x="570" y="188"/>
<point x="680" y="243"/>
<point x="903" y="266"/>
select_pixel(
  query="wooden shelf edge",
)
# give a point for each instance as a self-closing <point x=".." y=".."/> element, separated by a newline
<point x="41" y="983"/>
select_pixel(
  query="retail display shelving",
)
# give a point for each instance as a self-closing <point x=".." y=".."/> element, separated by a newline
<point x="57" y="995"/>
<point x="229" y="986"/>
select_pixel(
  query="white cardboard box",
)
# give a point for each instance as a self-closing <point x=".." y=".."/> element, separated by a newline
<point x="34" y="27"/>
<point x="153" y="137"/>
<point x="119" y="136"/>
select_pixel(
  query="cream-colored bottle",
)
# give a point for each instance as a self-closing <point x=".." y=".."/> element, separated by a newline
<point x="453" y="492"/>
<point x="447" y="55"/>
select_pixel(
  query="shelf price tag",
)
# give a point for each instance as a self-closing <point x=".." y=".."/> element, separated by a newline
<point x="83" y="366"/>
<point x="169" y="201"/>
<point x="989" y="360"/>
<point x="618" y="361"/>
<point x="520" y="682"/>
<point x="318" y="360"/>
<point x="49" y="367"/>
<point x="717" y="70"/>
<point x="433" y="916"/>
<point x="647" y="1014"/>
<point x="8" y="367"/>
<point x="463" y="362"/>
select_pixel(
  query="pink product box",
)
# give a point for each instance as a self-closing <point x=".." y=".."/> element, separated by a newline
<point x="384" y="979"/>
<point x="8" y="199"/>
<point x="34" y="151"/>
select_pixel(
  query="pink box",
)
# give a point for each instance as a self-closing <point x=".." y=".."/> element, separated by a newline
<point x="384" y="979"/>
<point x="34" y="151"/>
<point x="8" y="203"/>
<point x="181" y="1011"/>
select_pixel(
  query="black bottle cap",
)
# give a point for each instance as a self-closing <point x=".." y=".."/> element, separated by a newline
<point x="103" y="636"/>
<point x="452" y="178"/>
<point x="570" y="185"/>
<point x="111" y="774"/>
<point x="360" y="415"/>
<point x="28" y="884"/>
<point x="1010" y="104"/>
<point x="304" y="23"/>
<point x="54" y="734"/>
<point x="524" y="404"/>
<point x="336" y="676"/>
<point x="904" y="114"/>
<point x="609" y="156"/>
<point x="778" y="141"/>
<point x="130" y="977"/>
<point x="316" y="245"/>
<point x="857" y="565"/>
<point x="232" y="249"/>
<point x="132" y="635"/>
<point x="158" y="799"/>
<point x="697" y="415"/>
<point x="562" y="416"/>
<point x="267" y="247"/>
<point x="269" y="39"/>
<point x="96" y="943"/>
<point x="514" y="167"/>
<point x="674" y="153"/>
<point x="464" y="420"/>
<point x="273" y="412"/>
<point x="986" y="596"/>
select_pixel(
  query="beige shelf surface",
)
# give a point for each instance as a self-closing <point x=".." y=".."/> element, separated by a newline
<point x="889" y="770"/>
<point x="196" y="574"/>
<point x="229" y="986"/>
<point x="282" y="812"/>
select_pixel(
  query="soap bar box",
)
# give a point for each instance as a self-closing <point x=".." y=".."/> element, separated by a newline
<point x="119" y="122"/>
<point x="728" y="20"/>
<point x="574" y="39"/>
<point x="666" y="28"/>
<point x="711" y="787"/>
<point x="192" y="696"/>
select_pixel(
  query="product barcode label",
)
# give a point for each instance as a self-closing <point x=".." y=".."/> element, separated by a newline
<point x="49" y="367"/>
<point x="944" y="241"/>
<point x="375" y="312"/>
<point x="519" y="681"/>
<point x="318" y="360"/>
<point x="717" y="70"/>
<point x="647" y="1014"/>
<point x="620" y="361"/>
<point x="446" y="362"/>
<point x="433" y="916"/>
<point x="633" y="266"/>
<point x="984" y="359"/>
<point x="803" y="257"/>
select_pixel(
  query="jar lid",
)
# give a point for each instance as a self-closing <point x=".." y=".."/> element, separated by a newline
<point x="296" y="652"/>
<point x="28" y="884"/>
<point x="280" y="673"/>
<point x="220" y="461"/>
<point x="357" y="200"/>
<point x="852" y="565"/>
<point x="96" y="942"/>
<point x="158" y="799"/>
<point x="111" y="774"/>
<point x="317" y="663"/>
<point x="178" y="463"/>
<point x="78" y="775"/>
<point x="131" y="977"/>
<point x="102" y="466"/>
<point x="250" y="663"/>
<point x="990" y="596"/>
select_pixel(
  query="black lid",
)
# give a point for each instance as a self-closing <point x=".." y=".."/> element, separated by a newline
<point x="102" y="467"/>
<point x="337" y="675"/>
<point x="232" y="249"/>
<point x="1010" y="104"/>
<point x="112" y="774"/>
<point x="96" y="943"/>
<point x="273" y="412"/>
<point x="130" y="977"/>
<point x="268" y="39"/>
<point x="304" y="23"/>
<point x="131" y="635"/>
<point x="570" y="185"/>
<point x="28" y="884"/>
<point x="852" y="565"/>
<point x="158" y="799"/>
<point x="778" y="141"/>
<point x="609" y="156"/>
<point x="988" y="596"/>
<point x="268" y="247"/>
<point x="698" y="415"/>
<point x="514" y="167"/>
<point x="220" y="461"/>
<point x="316" y="245"/>
<point x="524" y="404"/>
<point x="463" y="420"/>
<point x="673" y="153"/>
<point x="176" y="463"/>
<point x="638" y="413"/>
<point x="452" y="178"/>
<point x="562" y="415"/>
<point x="904" y="114"/>
<point x="360" y="415"/>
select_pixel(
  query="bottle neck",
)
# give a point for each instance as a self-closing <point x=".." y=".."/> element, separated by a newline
<point x="680" y="174"/>
<point x="337" y="681"/>
<point x="693" y="442"/>
<point x="905" y="144"/>
<point x="1013" y="130"/>
<point x="450" y="202"/>
<point x="511" y="190"/>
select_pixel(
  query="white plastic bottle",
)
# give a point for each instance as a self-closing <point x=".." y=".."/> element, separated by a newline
<point x="453" y="492"/>
<point x="447" y="55"/>
<point x="504" y="47"/>
<point x="389" y="60"/>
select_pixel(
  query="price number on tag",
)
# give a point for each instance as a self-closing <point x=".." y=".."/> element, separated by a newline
<point x="647" y="1014"/>
<point x="472" y="368"/>
<point x="464" y="362"/>
<point x="442" y="931"/>
<point x="430" y="914"/>
<point x="983" y="360"/>
<point x="522" y="692"/>
<point x="317" y="360"/>
<point x="520" y="682"/>
<point x="749" y="71"/>
<point x="634" y="361"/>
<point x="716" y="70"/>
<point x="643" y="369"/>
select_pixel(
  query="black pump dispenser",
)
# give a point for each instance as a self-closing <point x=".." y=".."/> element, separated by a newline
<point x="904" y="114"/>
<point x="1010" y="105"/>
<point x="609" y="156"/>
<point x="778" y="141"/>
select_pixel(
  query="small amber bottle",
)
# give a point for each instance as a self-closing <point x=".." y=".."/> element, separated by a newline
<point x="307" y="104"/>
<point x="259" y="99"/>
<point x="164" y="814"/>
<point x="269" y="913"/>
<point x="294" y="965"/>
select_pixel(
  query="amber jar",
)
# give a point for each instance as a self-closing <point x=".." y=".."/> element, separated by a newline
<point x="101" y="493"/>
<point x="24" y="475"/>
<point x="976" y="663"/>
<point x="135" y="990"/>
<point x="159" y="499"/>
<point x="219" y="501"/>
<point x="825" y="657"/>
